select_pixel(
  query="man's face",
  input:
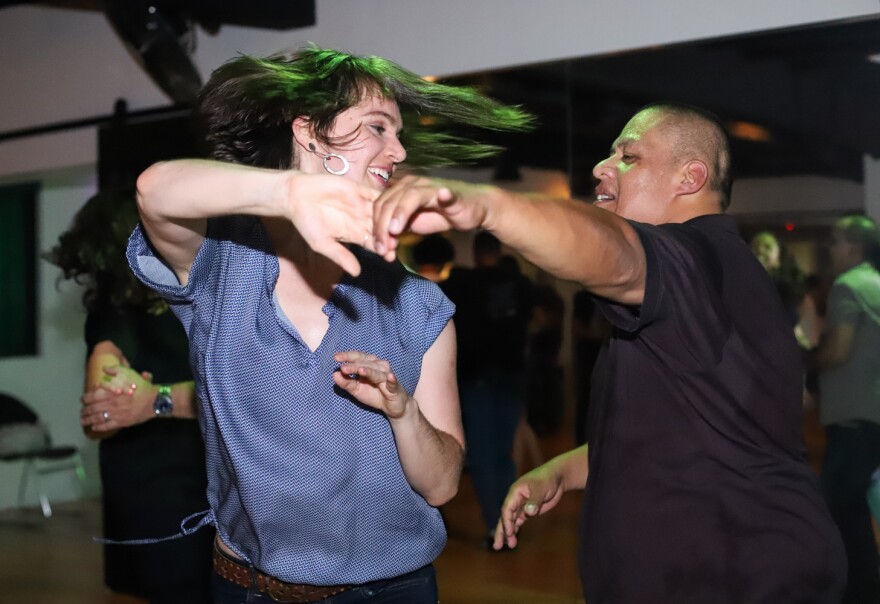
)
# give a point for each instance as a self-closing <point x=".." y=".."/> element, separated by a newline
<point x="844" y="255"/>
<point x="766" y="250"/>
<point x="636" y="181"/>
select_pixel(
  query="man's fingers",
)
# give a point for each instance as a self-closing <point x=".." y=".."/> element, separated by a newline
<point x="500" y="537"/>
<point x="394" y="209"/>
<point x="445" y="195"/>
<point x="508" y="525"/>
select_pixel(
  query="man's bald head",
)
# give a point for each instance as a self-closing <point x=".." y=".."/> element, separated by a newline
<point x="694" y="133"/>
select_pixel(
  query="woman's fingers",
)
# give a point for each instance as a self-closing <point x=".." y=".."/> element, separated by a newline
<point x="370" y="380"/>
<point x="354" y="356"/>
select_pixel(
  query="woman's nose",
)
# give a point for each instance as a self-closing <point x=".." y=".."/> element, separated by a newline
<point x="396" y="152"/>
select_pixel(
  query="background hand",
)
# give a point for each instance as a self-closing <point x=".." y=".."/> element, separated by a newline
<point x="126" y="397"/>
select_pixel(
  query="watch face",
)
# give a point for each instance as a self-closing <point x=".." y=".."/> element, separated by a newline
<point x="163" y="405"/>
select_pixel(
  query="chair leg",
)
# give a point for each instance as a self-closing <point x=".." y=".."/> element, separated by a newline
<point x="44" y="499"/>
<point x="22" y="484"/>
<point x="80" y="470"/>
<point x="74" y="463"/>
<point x="44" y="505"/>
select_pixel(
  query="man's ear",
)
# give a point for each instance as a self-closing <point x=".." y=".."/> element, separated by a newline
<point x="694" y="176"/>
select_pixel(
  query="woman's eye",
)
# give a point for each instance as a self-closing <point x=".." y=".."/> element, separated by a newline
<point x="379" y="129"/>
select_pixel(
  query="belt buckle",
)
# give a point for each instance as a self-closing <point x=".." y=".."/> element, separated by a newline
<point x="276" y="598"/>
<point x="291" y="593"/>
<point x="271" y="593"/>
<point x="275" y="589"/>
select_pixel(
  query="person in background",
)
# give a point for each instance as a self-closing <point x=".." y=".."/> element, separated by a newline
<point x="544" y="380"/>
<point x="327" y="376"/>
<point x="433" y="256"/>
<point x="139" y="402"/>
<point x="697" y="486"/>
<point x="791" y="283"/>
<point x="765" y="246"/>
<point x="590" y="330"/>
<point x="812" y="310"/>
<point x="493" y="308"/>
<point x="848" y="363"/>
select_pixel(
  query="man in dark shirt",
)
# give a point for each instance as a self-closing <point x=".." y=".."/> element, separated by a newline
<point x="697" y="488"/>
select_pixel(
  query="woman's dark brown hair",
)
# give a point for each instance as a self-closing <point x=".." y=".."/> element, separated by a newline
<point x="246" y="109"/>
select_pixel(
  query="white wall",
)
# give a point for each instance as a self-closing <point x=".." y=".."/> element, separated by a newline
<point x="61" y="65"/>
<point x="51" y="382"/>
<point x="806" y="195"/>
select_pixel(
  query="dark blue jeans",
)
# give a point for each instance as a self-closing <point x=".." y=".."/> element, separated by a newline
<point x="491" y="407"/>
<point x="417" y="587"/>
<point x="852" y="455"/>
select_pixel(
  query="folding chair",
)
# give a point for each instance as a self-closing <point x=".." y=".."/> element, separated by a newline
<point x="24" y="438"/>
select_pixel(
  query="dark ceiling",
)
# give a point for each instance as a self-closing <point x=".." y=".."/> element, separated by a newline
<point x="161" y="34"/>
<point x="812" y="93"/>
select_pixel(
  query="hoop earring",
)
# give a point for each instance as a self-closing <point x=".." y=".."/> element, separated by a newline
<point x="345" y="165"/>
<point x="325" y="158"/>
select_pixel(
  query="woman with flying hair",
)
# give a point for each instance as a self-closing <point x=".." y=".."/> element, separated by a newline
<point x="152" y="463"/>
<point x="327" y="377"/>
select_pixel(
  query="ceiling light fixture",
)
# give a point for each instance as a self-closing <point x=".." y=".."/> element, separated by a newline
<point x="749" y="131"/>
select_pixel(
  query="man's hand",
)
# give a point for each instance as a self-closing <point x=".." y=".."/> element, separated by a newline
<point x="532" y="495"/>
<point x="425" y="205"/>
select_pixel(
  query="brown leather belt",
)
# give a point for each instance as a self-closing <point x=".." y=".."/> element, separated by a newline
<point x="280" y="591"/>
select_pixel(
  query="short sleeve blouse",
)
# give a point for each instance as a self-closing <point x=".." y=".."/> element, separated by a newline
<point x="304" y="482"/>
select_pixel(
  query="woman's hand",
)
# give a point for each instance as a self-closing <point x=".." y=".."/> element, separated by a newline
<point x="177" y="197"/>
<point x="328" y="211"/>
<point x="369" y="379"/>
<point x="121" y="399"/>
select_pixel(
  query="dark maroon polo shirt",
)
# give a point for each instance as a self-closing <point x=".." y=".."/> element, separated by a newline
<point x="699" y="491"/>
